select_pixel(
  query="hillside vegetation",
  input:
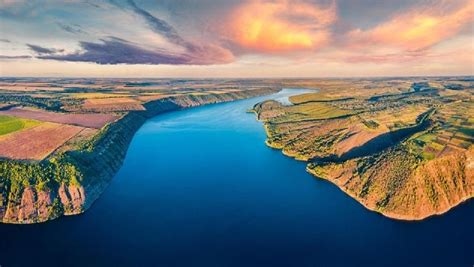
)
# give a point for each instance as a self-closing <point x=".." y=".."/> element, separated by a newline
<point x="61" y="166"/>
<point x="404" y="150"/>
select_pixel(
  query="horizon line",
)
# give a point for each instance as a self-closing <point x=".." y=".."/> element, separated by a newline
<point x="243" y="78"/>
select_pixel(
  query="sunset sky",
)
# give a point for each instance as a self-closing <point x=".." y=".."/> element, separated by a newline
<point x="227" y="38"/>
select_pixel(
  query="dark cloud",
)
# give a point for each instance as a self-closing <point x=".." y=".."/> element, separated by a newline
<point x="74" y="29"/>
<point x="5" y="41"/>
<point x="117" y="39"/>
<point x="14" y="57"/>
<point x="119" y="51"/>
<point x="93" y="4"/>
<point x="158" y="25"/>
<point x="43" y="50"/>
<point x="200" y="53"/>
<point x="115" y="52"/>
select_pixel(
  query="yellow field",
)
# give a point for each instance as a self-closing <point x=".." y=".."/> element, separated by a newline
<point x="9" y="124"/>
<point x="96" y="95"/>
<point x="112" y="104"/>
<point x="313" y="111"/>
<point x="315" y="97"/>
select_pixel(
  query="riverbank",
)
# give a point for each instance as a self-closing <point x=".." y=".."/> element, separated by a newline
<point x="70" y="182"/>
<point x="405" y="166"/>
<point x="390" y="215"/>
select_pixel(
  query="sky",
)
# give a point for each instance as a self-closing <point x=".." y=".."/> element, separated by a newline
<point x="230" y="38"/>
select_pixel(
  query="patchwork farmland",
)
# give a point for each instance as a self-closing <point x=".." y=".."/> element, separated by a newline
<point x="39" y="117"/>
<point x="36" y="143"/>
<point x="62" y="140"/>
<point x="400" y="146"/>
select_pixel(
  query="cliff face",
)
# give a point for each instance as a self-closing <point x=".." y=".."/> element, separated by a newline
<point x="35" y="205"/>
<point x="399" y="185"/>
<point x="67" y="184"/>
<point x="407" y="158"/>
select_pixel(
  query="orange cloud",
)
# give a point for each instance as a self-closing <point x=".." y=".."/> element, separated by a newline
<point x="280" y="26"/>
<point x="419" y="28"/>
<point x="393" y="58"/>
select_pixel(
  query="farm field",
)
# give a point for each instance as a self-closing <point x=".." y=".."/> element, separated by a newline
<point x="112" y="104"/>
<point x="9" y="124"/>
<point x="84" y="119"/>
<point x="97" y="95"/>
<point x="36" y="143"/>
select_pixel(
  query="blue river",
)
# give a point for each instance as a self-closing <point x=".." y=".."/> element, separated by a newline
<point x="199" y="187"/>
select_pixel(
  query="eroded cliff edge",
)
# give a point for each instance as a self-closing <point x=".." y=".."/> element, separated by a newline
<point x="68" y="183"/>
<point x="406" y="156"/>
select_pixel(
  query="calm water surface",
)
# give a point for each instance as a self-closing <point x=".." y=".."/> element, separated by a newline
<point x="200" y="188"/>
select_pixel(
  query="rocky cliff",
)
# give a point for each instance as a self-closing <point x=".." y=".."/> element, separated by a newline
<point x="400" y="185"/>
<point x="68" y="183"/>
<point x="407" y="158"/>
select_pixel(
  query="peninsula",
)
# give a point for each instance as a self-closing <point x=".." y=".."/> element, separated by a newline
<point x="400" y="147"/>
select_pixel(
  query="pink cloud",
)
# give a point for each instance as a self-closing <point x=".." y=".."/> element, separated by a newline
<point x="418" y="28"/>
<point x="281" y="26"/>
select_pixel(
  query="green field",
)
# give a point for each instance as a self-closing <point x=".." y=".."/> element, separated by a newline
<point x="312" y="111"/>
<point x="316" y="97"/>
<point x="9" y="124"/>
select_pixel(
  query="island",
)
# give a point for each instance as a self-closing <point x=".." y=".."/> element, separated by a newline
<point x="63" y="140"/>
<point x="401" y="147"/>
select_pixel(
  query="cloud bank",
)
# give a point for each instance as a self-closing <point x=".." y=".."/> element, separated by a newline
<point x="250" y="32"/>
<point x="114" y="50"/>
